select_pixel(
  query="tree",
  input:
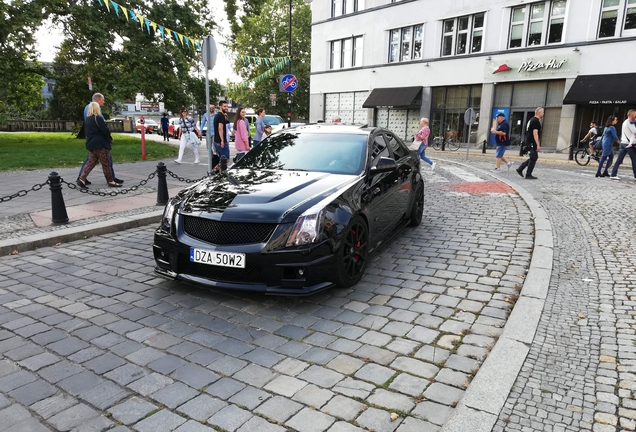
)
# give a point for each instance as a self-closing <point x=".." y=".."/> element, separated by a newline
<point x="21" y="88"/>
<point x="266" y="34"/>
<point x="123" y="59"/>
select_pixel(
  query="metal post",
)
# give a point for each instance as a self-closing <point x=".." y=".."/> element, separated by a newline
<point x="209" y="122"/>
<point x="58" y="208"/>
<point x="162" y="184"/>
<point x="289" y="101"/>
<point x="483" y="147"/>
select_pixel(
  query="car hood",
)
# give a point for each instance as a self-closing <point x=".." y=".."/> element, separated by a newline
<point x="245" y="195"/>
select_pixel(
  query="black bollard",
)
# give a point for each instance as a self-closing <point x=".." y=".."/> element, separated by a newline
<point x="58" y="208"/>
<point x="483" y="147"/>
<point x="223" y="163"/>
<point x="162" y="185"/>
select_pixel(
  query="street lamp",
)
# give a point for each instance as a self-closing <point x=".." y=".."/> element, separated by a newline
<point x="289" y="101"/>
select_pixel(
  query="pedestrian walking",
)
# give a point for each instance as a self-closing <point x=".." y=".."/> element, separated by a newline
<point x="165" y="125"/>
<point x="99" y="99"/>
<point x="502" y="137"/>
<point x="241" y="134"/>
<point x="221" y="137"/>
<point x="188" y="134"/>
<point x="628" y="144"/>
<point x="98" y="144"/>
<point x="609" y="138"/>
<point x="208" y="120"/>
<point x="422" y="135"/>
<point x="592" y="134"/>
<point x="533" y="140"/>
<point x="260" y="127"/>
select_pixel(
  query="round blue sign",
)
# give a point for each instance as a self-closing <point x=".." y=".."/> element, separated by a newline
<point x="288" y="83"/>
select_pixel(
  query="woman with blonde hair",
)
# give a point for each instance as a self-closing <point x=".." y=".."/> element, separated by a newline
<point x="422" y="135"/>
<point x="98" y="144"/>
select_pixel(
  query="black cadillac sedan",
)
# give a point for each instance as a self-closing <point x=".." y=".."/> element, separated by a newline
<point x="299" y="213"/>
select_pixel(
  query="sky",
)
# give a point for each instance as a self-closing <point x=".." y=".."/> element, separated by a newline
<point x="49" y="37"/>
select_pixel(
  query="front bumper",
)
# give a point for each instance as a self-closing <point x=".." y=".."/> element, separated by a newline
<point x="284" y="272"/>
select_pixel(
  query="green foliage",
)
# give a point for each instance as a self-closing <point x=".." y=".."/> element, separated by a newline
<point x="21" y="74"/>
<point x="122" y="59"/>
<point x="265" y="33"/>
<point x="60" y="149"/>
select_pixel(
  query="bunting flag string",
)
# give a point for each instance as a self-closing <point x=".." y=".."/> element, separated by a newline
<point x="150" y="26"/>
<point x="278" y="62"/>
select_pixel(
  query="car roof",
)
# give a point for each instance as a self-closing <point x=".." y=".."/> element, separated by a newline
<point x="336" y="128"/>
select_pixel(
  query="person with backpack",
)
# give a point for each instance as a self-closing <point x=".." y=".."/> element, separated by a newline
<point x="609" y="138"/>
<point x="502" y="136"/>
<point x="594" y="136"/>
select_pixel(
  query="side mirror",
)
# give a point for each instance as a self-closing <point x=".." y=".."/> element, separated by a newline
<point x="385" y="164"/>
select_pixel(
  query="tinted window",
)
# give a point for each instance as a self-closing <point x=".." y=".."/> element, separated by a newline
<point x="380" y="149"/>
<point x="398" y="149"/>
<point x="297" y="151"/>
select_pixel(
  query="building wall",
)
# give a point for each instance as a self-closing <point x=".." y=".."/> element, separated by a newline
<point x="584" y="53"/>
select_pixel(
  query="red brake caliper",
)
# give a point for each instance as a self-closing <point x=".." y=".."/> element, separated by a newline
<point x="357" y="245"/>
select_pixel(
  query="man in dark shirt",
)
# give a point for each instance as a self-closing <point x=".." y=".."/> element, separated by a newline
<point x="165" y="124"/>
<point x="533" y="140"/>
<point x="502" y="136"/>
<point x="221" y="142"/>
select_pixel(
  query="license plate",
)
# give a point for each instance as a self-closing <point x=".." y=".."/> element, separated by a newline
<point x="222" y="259"/>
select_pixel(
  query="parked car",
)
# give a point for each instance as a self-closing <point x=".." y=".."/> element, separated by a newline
<point x="150" y="125"/>
<point x="297" y="215"/>
<point x="278" y="123"/>
<point x="173" y="128"/>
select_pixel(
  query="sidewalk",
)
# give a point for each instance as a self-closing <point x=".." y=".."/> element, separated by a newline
<point x="25" y="221"/>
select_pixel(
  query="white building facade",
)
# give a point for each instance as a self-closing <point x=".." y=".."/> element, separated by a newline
<point x="389" y="63"/>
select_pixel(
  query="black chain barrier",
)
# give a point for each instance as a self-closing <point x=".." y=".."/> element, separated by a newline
<point x="112" y="192"/>
<point x="183" y="179"/>
<point x="23" y="192"/>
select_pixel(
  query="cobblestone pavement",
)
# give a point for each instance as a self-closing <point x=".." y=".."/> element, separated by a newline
<point x="90" y="339"/>
<point x="580" y="374"/>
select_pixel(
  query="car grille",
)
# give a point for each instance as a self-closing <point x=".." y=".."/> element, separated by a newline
<point x="227" y="233"/>
<point x="248" y="275"/>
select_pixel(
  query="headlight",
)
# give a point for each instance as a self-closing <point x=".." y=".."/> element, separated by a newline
<point x="168" y="214"/>
<point x="307" y="227"/>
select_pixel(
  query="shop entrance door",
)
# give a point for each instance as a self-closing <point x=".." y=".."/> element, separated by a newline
<point x="518" y="122"/>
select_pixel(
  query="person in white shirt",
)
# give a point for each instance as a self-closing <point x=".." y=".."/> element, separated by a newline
<point x="628" y="144"/>
<point x="591" y="135"/>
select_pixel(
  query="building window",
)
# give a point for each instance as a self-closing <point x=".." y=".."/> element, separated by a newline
<point x="463" y="35"/>
<point x="406" y="44"/>
<point x="346" y="53"/>
<point x="344" y="7"/>
<point x="613" y="12"/>
<point x="537" y="24"/>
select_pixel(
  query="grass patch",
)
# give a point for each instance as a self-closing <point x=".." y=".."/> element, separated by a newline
<point x="62" y="150"/>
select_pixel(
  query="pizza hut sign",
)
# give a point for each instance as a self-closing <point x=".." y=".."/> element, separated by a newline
<point x="530" y="66"/>
<point x="513" y="68"/>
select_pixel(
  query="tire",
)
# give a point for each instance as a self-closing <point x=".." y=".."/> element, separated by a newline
<point x="437" y="143"/>
<point x="353" y="253"/>
<point x="582" y="157"/>
<point x="418" y="206"/>
<point x="452" y="145"/>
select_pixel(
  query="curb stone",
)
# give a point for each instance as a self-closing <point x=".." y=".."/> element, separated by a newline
<point x="485" y="397"/>
<point x="34" y="241"/>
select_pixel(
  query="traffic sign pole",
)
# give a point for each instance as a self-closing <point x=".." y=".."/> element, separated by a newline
<point x="208" y="52"/>
<point x="143" y="137"/>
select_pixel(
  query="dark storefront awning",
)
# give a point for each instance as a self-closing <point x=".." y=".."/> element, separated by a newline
<point x="398" y="97"/>
<point x="617" y="89"/>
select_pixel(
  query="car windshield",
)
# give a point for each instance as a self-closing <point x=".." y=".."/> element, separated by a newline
<point x="272" y="120"/>
<point x="332" y="153"/>
<point x="151" y="122"/>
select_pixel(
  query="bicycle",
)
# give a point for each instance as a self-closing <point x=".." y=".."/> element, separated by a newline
<point x="450" y="143"/>
<point x="583" y="156"/>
